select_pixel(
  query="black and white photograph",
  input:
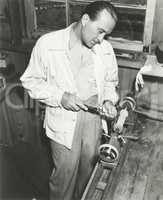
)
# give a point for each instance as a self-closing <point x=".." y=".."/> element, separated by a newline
<point x="81" y="99"/>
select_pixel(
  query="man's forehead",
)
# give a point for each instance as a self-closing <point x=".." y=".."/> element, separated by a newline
<point x="105" y="21"/>
<point x="104" y="15"/>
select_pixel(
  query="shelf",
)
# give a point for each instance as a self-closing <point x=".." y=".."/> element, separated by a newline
<point x="156" y="71"/>
<point x="123" y="44"/>
<point x="131" y="64"/>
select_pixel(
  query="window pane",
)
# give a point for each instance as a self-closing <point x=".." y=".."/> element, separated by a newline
<point x="50" y="14"/>
<point x="76" y="9"/>
<point x="130" y="24"/>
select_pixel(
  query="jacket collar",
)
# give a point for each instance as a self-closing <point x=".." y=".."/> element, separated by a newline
<point x="62" y="43"/>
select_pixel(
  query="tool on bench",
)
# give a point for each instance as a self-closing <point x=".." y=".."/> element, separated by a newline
<point x="110" y="149"/>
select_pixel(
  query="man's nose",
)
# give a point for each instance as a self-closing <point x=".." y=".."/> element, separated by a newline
<point x="100" y="37"/>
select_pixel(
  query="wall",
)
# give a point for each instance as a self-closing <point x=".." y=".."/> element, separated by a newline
<point x="150" y="98"/>
<point x="158" y="22"/>
<point x="5" y="29"/>
<point x="126" y="79"/>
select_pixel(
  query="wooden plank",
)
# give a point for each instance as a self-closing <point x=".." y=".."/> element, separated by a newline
<point x="122" y="184"/>
<point x="90" y="192"/>
<point x="141" y="177"/>
<point x="101" y="185"/>
<point x="111" y="185"/>
<point x="158" y="22"/>
<point x="160" y="197"/>
<point x="30" y="17"/>
<point x="90" y="181"/>
<point x="149" y="22"/>
<point x="139" y="188"/>
<point x="155" y="174"/>
<point x="136" y="46"/>
<point x="14" y="16"/>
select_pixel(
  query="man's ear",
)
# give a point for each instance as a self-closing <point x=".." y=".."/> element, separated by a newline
<point x="85" y="19"/>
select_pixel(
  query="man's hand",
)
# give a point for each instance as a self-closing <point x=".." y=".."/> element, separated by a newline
<point x="139" y="83"/>
<point x="110" y="109"/>
<point x="72" y="102"/>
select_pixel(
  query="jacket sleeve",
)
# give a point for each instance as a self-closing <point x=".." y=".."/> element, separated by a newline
<point x="35" y="78"/>
<point x="111" y="80"/>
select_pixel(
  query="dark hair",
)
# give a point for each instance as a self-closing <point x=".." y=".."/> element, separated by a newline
<point x="94" y="8"/>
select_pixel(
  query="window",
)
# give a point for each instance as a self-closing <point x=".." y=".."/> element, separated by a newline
<point x="133" y="31"/>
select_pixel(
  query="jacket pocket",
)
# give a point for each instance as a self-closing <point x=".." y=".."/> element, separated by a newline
<point x="61" y="120"/>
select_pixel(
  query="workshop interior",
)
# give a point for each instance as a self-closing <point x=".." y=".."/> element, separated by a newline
<point x="130" y="157"/>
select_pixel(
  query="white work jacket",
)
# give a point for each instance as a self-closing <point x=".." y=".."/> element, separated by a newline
<point x="49" y="75"/>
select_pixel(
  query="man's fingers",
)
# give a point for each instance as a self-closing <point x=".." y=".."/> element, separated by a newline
<point x="139" y="82"/>
<point x="75" y="108"/>
<point x="110" y="110"/>
<point x="137" y="85"/>
<point x="81" y="105"/>
<point x="72" y="102"/>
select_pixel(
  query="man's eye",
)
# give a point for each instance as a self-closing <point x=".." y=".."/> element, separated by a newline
<point x="101" y="31"/>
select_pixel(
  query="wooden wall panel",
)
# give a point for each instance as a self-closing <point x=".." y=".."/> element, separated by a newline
<point x="158" y="22"/>
<point x="5" y="29"/>
<point x="126" y="80"/>
<point x="14" y="14"/>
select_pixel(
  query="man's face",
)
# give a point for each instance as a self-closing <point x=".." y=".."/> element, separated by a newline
<point x="93" y="32"/>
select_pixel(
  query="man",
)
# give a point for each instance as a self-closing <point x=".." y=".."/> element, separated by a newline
<point x="68" y="70"/>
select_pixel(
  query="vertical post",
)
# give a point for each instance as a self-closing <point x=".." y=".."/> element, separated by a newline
<point x="67" y="13"/>
<point x="30" y="17"/>
<point x="14" y="17"/>
<point x="149" y="22"/>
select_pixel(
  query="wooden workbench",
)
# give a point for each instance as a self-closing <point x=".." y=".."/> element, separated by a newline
<point x="139" y="174"/>
<point x="141" y="177"/>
